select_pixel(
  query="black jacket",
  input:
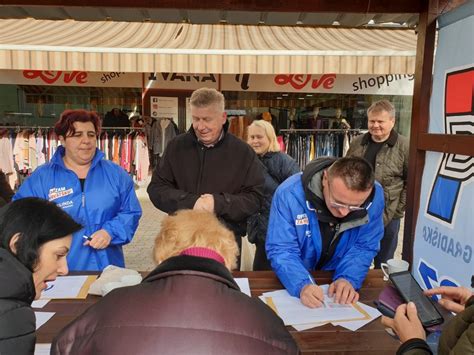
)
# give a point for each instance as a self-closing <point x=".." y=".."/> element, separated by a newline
<point x="230" y="171"/>
<point x="187" y="305"/>
<point x="17" y="319"/>
<point x="278" y="167"/>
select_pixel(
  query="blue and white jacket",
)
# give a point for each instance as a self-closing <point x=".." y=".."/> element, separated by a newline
<point x="108" y="202"/>
<point x="294" y="243"/>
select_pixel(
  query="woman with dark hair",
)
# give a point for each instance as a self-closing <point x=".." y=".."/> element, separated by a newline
<point x="35" y="236"/>
<point x="96" y="192"/>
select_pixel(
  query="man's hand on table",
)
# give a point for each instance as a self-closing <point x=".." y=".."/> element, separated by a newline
<point x="343" y="292"/>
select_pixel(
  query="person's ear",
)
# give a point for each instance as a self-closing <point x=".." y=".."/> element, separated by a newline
<point x="62" y="139"/>
<point x="13" y="242"/>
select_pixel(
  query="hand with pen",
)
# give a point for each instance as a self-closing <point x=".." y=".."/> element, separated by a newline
<point x="99" y="240"/>
<point x="312" y="296"/>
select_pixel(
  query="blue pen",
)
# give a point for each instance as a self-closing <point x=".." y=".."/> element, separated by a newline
<point x="86" y="237"/>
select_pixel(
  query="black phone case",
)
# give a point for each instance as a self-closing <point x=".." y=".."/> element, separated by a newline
<point x="432" y="322"/>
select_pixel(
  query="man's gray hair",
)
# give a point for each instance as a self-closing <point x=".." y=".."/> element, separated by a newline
<point x="205" y="97"/>
<point x="382" y="105"/>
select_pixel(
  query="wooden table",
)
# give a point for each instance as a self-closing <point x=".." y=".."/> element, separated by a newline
<point x="327" y="339"/>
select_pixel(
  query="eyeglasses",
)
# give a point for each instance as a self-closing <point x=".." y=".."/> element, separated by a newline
<point x="335" y="204"/>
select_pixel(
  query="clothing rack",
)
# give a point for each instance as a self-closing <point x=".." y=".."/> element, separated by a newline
<point x="123" y="128"/>
<point x="306" y="144"/>
<point x="27" y="127"/>
<point x="322" y="130"/>
<point x="51" y="127"/>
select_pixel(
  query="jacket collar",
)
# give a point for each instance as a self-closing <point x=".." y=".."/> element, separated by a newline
<point x="192" y="265"/>
<point x="17" y="277"/>
<point x="225" y="128"/>
<point x="59" y="154"/>
<point x="391" y="141"/>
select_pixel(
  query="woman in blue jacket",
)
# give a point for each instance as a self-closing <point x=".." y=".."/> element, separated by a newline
<point x="277" y="167"/>
<point x="96" y="192"/>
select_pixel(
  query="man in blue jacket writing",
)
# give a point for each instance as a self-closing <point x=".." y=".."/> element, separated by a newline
<point x="328" y="218"/>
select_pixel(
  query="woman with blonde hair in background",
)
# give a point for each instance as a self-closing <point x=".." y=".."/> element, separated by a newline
<point x="277" y="167"/>
<point x="189" y="304"/>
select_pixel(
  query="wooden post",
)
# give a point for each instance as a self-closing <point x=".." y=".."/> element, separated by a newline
<point x="419" y="119"/>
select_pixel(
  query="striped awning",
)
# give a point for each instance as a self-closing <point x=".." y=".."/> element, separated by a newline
<point x="190" y="48"/>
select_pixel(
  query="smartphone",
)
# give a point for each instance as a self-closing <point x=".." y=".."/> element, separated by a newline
<point x="411" y="291"/>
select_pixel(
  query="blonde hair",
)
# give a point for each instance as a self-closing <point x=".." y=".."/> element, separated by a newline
<point x="270" y="133"/>
<point x="205" y="97"/>
<point x="190" y="228"/>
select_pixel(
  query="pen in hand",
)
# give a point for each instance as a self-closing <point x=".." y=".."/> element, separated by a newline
<point x="314" y="283"/>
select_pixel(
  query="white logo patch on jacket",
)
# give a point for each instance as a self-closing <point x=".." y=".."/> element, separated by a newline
<point x="301" y="219"/>
<point x="57" y="192"/>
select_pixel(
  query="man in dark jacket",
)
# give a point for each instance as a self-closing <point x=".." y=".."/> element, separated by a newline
<point x="189" y="304"/>
<point x="457" y="336"/>
<point x="387" y="152"/>
<point x="209" y="169"/>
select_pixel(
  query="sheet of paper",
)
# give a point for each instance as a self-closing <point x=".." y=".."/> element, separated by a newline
<point x="42" y="317"/>
<point x="354" y="325"/>
<point x="39" y="303"/>
<point x="42" y="349"/>
<point x="301" y="327"/>
<point x="292" y="311"/>
<point x="64" y="287"/>
<point x="243" y="283"/>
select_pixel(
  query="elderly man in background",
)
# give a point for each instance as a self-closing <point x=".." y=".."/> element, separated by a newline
<point x="387" y="152"/>
<point x="209" y="169"/>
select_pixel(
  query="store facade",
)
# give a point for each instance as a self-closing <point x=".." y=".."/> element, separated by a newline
<point x="309" y="101"/>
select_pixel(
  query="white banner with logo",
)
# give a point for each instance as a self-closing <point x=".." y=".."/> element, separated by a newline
<point x="444" y="242"/>
<point x="387" y="84"/>
<point x="68" y="78"/>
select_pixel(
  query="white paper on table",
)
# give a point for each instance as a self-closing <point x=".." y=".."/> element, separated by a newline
<point x="39" y="303"/>
<point x="243" y="283"/>
<point x="42" y="317"/>
<point x="42" y="349"/>
<point x="356" y="324"/>
<point x="292" y="311"/>
<point x="300" y="327"/>
<point x="277" y="293"/>
<point x="64" y="287"/>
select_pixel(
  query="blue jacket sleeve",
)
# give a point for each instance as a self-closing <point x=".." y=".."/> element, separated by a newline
<point x="123" y="226"/>
<point x="282" y="245"/>
<point x="356" y="262"/>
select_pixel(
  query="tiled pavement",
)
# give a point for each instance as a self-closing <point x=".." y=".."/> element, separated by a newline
<point x="138" y="254"/>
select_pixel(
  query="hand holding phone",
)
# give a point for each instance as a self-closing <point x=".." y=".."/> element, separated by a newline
<point x="411" y="291"/>
<point x="406" y="323"/>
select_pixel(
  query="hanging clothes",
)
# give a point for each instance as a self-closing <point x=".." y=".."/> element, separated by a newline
<point x="306" y="145"/>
